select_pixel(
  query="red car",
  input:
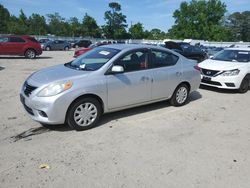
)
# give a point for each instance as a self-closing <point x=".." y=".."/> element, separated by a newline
<point x="81" y="51"/>
<point x="20" y="45"/>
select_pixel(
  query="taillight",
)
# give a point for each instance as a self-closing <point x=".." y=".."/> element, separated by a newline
<point x="196" y="67"/>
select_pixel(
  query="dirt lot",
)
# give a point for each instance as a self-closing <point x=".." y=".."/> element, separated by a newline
<point x="203" y="144"/>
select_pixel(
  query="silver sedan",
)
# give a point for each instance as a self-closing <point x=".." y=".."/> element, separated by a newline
<point x="107" y="79"/>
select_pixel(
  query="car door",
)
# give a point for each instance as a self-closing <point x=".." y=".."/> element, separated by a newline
<point x="15" y="45"/>
<point x="55" y="45"/>
<point x="3" y="45"/>
<point x="133" y="86"/>
<point x="166" y="73"/>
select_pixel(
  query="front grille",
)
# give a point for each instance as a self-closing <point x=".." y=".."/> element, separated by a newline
<point x="28" y="89"/>
<point x="209" y="72"/>
<point x="211" y="82"/>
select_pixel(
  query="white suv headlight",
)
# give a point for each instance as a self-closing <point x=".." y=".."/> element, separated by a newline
<point x="54" y="89"/>
<point x="231" y="72"/>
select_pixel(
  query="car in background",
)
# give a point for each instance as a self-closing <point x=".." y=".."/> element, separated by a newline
<point x="187" y="50"/>
<point x="213" y="50"/>
<point x="56" y="45"/>
<point x="80" y="51"/>
<point x="82" y="43"/>
<point x="42" y="41"/>
<point x="20" y="45"/>
<point x="107" y="79"/>
<point x="228" y="69"/>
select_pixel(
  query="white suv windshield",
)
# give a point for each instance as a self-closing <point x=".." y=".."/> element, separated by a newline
<point x="93" y="60"/>
<point x="233" y="56"/>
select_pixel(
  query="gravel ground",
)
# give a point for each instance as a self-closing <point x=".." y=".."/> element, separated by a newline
<point x="203" y="144"/>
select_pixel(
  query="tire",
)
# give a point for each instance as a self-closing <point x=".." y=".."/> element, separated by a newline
<point x="76" y="46"/>
<point x="180" y="96"/>
<point x="66" y="48"/>
<point x="244" y="86"/>
<point x="48" y="48"/>
<point x="80" y="113"/>
<point x="30" y="54"/>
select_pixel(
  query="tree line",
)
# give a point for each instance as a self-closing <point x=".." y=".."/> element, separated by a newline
<point x="198" y="19"/>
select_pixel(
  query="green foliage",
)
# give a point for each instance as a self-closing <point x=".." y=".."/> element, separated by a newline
<point x="115" y="27"/>
<point x="239" y="24"/>
<point x="136" y="31"/>
<point x="199" y="19"/>
<point x="75" y="27"/>
<point x="4" y="19"/>
<point x="37" y="25"/>
<point x="90" y="27"/>
<point x="57" y="25"/>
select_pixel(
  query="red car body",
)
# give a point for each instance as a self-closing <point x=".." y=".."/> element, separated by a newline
<point x="81" y="51"/>
<point x="19" y="45"/>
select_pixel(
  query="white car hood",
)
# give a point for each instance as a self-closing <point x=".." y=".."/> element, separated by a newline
<point x="211" y="64"/>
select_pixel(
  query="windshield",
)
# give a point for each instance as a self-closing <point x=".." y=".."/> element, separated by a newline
<point x="93" y="59"/>
<point x="233" y="56"/>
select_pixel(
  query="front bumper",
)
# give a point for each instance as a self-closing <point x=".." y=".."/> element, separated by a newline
<point x="49" y="110"/>
<point x="225" y="82"/>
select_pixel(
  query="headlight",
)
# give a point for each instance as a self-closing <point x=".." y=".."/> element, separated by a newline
<point x="231" y="72"/>
<point x="54" y="89"/>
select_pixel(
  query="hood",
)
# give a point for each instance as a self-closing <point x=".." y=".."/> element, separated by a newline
<point x="211" y="64"/>
<point x="53" y="74"/>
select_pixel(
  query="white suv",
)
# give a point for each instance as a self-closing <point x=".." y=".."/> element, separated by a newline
<point x="228" y="69"/>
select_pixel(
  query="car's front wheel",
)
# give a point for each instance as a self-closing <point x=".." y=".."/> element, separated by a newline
<point x="84" y="114"/>
<point x="180" y="96"/>
<point x="66" y="48"/>
<point x="48" y="48"/>
<point x="244" y="86"/>
<point x="30" y="54"/>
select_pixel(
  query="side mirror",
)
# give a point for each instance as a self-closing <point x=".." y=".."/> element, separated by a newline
<point x="117" y="69"/>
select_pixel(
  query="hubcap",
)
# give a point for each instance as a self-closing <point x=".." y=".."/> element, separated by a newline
<point x="181" y="95"/>
<point x="30" y="54"/>
<point x="85" y="114"/>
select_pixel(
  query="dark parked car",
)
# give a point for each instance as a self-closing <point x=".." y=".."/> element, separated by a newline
<point x="56" y="45"/>
<point x="82" y="43"/>
<point x="187" y="50"/>
<point x="20" y="45"/>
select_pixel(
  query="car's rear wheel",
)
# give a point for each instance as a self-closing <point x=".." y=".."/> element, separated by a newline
<point x="76" y="46"/>
<point x="244" y="86"/>
<point x="84" y="114"/>
<point x="48" y="48"/>
<point x="66" y="48"/>
<point x="180" y="96"/>
<point x="30" y="54"/>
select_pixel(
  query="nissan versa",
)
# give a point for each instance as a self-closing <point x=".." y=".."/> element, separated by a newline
<point x="107" y="79"/>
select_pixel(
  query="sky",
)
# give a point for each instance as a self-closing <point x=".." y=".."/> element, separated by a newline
<point x="151" y="13"/>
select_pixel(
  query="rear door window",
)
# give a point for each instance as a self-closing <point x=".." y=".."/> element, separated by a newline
<point x="162" y="59"/>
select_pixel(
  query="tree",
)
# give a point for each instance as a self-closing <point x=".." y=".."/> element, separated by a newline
<point x="18" y="25"/>
<point x="4" y="17"/>
<point x="57" y="25"/>
<point x="157" y="34"/>
<point x="75" y="27"/>
<point x="137" y="31"/>
<point x="199" y="19"/>
<point x="90" y="27"/>
<point x="37" y="25"/>
<point x="115" y="27"/>
<point x="239" y="24"/>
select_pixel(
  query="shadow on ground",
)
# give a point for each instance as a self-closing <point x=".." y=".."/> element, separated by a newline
<point x="219" y="90"/>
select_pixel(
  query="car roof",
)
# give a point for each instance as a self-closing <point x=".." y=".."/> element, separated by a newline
<point x="132" y="46"/>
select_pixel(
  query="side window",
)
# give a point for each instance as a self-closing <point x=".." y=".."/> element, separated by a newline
<point x="16" y="39"/>
<point x="3" y="39"/>
<point x="162" y="59"/>
<point x="134" y="61"/>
